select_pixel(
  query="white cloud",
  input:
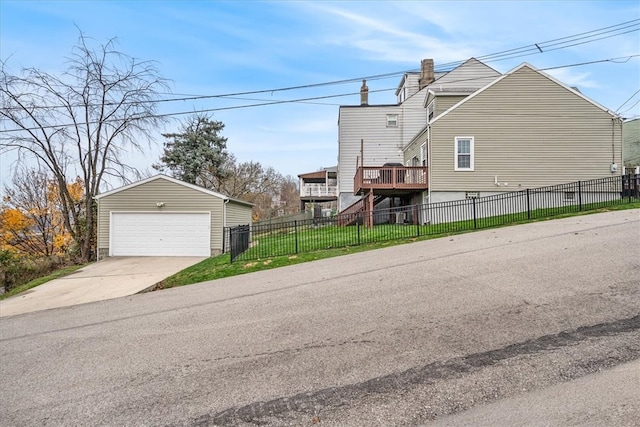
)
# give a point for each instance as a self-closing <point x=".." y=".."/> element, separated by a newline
<point x="574" y="78"/>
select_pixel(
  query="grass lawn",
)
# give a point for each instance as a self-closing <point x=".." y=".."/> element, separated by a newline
<point x="221" y="266"/>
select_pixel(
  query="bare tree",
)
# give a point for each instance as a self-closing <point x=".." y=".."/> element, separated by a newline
<point x="249" y="181"/>
<point x="80" y="123"/>
<point x="289" y="196"/>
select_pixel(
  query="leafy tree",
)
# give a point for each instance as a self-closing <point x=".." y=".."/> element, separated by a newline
<point x="80" y="123"/>
<point x="31" y="220"/>
<point x="197" y="152"/>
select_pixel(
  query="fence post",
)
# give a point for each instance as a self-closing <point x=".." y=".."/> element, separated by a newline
<point x="580" y="195"/>
<point x="224" y="239"/>
<point x="475" y="225"/>
<point x="295" y="232"/>
<point x="528" y="204"/>
<point x="231" y="245"/>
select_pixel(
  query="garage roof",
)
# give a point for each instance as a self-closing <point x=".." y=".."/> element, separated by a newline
<point x="175" y="181"/>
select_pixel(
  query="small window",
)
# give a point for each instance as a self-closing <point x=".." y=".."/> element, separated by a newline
<point x="471" y="195"/>
<point x="569" y="196"/>
<point x="423" y="154"/>
<point x="430" y="110"/>
<point x="464" y="153"/>
<point x="392" y="120"/>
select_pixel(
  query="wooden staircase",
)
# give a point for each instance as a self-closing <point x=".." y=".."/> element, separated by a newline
<point x="356" y="210"/>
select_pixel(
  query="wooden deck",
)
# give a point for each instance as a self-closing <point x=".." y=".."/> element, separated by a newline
<point x="390" y="179"/>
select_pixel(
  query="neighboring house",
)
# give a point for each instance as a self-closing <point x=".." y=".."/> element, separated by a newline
<point x="162" y="216"/>
<point x="481" y="133"/>
<point x="320" y="187"/>
<point x="631" y="144"/>
<point x="523" y="130"/>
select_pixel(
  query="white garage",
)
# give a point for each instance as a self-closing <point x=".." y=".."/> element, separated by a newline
<point x="162" y="216"/>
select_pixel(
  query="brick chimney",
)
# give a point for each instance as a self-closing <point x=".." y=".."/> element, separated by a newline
<point x="364" y="93"/>
<point x="426" y="73"/>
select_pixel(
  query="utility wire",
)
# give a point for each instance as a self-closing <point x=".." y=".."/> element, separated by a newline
<point x="302" y="100"/>
<point x="629" y="99"/>
<point x="495" y="57"/>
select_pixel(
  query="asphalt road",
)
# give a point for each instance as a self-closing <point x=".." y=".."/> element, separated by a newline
<point x="406" y="335"/>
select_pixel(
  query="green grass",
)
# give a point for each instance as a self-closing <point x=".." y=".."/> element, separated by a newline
<point x="336" y="243"/>
<point x="39" y="281"/>
<point x="309" y="238"/>
<point x="221" y="266"/>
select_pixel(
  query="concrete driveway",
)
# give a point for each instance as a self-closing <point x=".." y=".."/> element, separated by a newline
<point x="111" y="278"/>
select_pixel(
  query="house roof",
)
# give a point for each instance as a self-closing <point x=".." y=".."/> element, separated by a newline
<point x="175" y="181"/>
<point x="466" y="78"/>
<point x="507" y="75"/>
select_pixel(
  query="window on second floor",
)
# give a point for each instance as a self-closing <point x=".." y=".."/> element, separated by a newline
<point x="423" y="154"/>
<point x="464" y="153"/>
<point x="430" y="110"/>
<point x="392" y="120"/>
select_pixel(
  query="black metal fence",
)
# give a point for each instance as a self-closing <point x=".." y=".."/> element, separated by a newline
<point x="300" y="236"/>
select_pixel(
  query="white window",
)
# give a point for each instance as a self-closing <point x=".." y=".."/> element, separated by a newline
<point x="430" y="110"/>
<point x="423" y="154"/>
<point x="392" y="120"/>
<point x="464" y="153"/>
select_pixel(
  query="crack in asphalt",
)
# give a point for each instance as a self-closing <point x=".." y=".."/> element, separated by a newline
<point x="312" y="402"/>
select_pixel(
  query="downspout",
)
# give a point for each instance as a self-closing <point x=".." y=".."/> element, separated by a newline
<point x="224" y="213"/>
<point x="614" y="166"/>
<point x="97" y="228"/>
<point x="429" y="153"/>
<point x="613" y="150"/>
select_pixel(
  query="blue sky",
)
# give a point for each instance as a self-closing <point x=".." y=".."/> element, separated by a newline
<point x="216" y="47"/>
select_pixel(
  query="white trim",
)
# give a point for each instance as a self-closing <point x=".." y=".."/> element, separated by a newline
<point x="471" y="154"/>
<point x="508" y="74"/>
<point x="431" y="106"/>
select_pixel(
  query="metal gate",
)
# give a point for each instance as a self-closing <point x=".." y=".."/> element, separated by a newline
<point x="239" y="240"/>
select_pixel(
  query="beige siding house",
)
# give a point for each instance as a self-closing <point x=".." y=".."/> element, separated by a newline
<point x="371" y="146"/>
<point x="523" y="130"/>
<point x="162" y="216"/>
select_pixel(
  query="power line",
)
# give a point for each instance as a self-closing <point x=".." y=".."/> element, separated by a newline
<point x="495" y="57"/>
<point x="519" y="51"/>
<point x="306" y="100"/>
<point x="629" y="99"/>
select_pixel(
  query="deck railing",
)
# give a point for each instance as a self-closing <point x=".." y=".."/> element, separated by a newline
<point x="318" y="190"/>
<point x="390" y="178"/>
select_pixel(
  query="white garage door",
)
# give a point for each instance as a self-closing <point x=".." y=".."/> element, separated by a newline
<point x="160" y="234"/>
